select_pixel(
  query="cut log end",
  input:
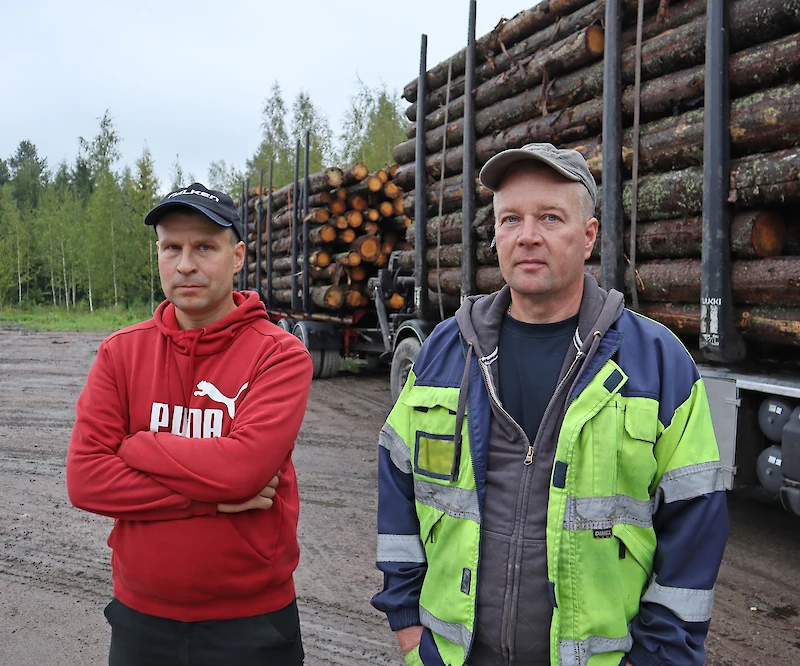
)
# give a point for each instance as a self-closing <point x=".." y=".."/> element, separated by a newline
<point x="769" y="234"/>
<point x="595" y="40"/>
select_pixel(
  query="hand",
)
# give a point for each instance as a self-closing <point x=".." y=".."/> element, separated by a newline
<point x="409" y="638"/>
<point x="261" y="501"/>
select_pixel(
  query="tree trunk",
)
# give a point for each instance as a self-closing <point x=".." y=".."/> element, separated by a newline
<point x="754" y="234"/>
<point x="756" y="180"/>
<point x="327" y="179"/>
<point x="328" y="298"/>
<point x="761" y="66"/>
<point x="751" y="22"/>
<point x="453" y="193"/>
<point x="450" y="225"/>
<point x="569" y="54"/>
<point x="354" y="174"/>
<point x="368" y="247"/>
<point x="759" y="324"/>
<point x="775" y="281"/>
<point x="449" y="256"/>
<point x="488" y="279"/>
<point x="764" y="121"/>
<point x="504" y="36"/>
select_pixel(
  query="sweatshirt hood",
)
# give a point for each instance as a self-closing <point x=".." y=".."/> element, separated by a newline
<point x="480" y="317"/>
<point x="214" y="338"/>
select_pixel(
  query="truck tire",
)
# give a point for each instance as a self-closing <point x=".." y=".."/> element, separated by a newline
<point x="404" y="356"/>
<point x="317" y="355"/>
<point x="329" y="366"/>
<point x="287" y="324"/>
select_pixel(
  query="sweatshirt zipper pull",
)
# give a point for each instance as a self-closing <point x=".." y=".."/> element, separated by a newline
<point x="529" y="456"/>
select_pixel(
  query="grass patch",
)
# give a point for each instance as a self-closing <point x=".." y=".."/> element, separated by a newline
<point x="50" y="318"/>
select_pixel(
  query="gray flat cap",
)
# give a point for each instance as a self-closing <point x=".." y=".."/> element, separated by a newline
<point x="569" y="163"/>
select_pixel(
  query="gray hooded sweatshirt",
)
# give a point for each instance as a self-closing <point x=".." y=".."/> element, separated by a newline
<point x="514" y="604"/>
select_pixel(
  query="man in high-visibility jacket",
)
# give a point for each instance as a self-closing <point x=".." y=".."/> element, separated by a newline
<point x="549" y="483"/>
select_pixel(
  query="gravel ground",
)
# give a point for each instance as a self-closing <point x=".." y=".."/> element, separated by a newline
<point x="54" y="562"/>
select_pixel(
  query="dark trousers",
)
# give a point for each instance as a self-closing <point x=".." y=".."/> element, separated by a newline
<point x="272" y="639"/>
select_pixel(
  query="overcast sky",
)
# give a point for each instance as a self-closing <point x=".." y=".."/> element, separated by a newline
<point x="190" y="79"/>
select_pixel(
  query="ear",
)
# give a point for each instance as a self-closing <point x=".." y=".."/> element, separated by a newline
<point x="590" y="229"/>
<point x="238" y="256"/>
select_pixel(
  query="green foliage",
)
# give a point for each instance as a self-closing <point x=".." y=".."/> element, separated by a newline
<point x="28" y="175"/>
<point x="74" y="240"/>
<point x="225" y="178"/>
<point x="372" y="127"/>
<point x="47" y="318"/>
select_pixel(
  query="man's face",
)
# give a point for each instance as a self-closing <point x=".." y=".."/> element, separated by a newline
<point x="543" y="237"/>
<point x="197" y="261"/>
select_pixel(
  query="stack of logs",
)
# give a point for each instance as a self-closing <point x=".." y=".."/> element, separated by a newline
<point x="355" y="221"/>
<point x="539" y="78"/>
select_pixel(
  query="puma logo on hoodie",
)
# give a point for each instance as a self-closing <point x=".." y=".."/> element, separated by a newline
<point x="194" y="422"/>
<point x="208" y="389"/>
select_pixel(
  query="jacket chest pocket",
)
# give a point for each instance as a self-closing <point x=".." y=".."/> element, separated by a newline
<point x="434" y="425"/>
<point x="622" y="437"/>
<point x="637" y="463"/>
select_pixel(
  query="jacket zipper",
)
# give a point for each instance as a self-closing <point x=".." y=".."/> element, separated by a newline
<point x="529" y="456"/>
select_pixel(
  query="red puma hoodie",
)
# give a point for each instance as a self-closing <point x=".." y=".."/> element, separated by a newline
<point x="170" y="424"/>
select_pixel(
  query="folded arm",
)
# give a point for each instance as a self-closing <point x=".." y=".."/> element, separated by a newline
<point x="235" y="467"/>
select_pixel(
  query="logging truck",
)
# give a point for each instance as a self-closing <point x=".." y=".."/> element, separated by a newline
<point x="704" y="118"/>
<point x="688" y="113"/>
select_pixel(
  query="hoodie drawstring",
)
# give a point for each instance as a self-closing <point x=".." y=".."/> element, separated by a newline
<point x="463" y="393"/>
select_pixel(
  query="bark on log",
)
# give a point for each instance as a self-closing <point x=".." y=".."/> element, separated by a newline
<point x="567" y="55"/>
<point x="751" y="22"/>
<point x="756" y="180"/>
<point x="449" y="256"/>
<point x="452" y="196"/>
<point x="328" y="298"/>
<point x="349" y="258"/>
<point x="765" y="324"/>
<point x="451" y="226"/>
<point x="506" y="34"/>
<point x="775" y="281"/>
<point x="488" y="279"/>
<point x="758" y="67"/>
<point x="327" y="179"/>
<point x="354" y="174"/>
<point x="754" y="234"/>
<point x="764" y="121"/>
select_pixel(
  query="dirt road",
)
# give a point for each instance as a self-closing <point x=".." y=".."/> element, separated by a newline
<point x="54" y="571"/>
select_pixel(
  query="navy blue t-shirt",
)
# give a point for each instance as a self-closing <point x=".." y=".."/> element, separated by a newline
<point x="530" y="358"/>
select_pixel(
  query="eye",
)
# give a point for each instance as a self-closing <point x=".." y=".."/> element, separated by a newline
<point x="550" y="217"/>
<point x="205" y="248"/>
<point x="510" y="219"/>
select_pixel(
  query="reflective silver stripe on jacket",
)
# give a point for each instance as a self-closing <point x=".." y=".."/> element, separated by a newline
<point x="597" y="513"/>
<point x="398" y="451"/>
<point x="688" y="604"/>
<point x="457" y="634"/>
<point x="578" y="653"/>
<point x="691" y="481"/>
<point x="454" y="501"/>
<point x="400" y="548"/>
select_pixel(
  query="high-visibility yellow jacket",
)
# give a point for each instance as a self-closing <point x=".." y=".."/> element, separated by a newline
<point x="636" y="522"/>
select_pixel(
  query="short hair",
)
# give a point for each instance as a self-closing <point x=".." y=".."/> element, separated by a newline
<point x="587" y="205"/>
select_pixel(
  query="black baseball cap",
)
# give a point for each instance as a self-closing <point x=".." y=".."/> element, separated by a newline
<point x="216" y="206"/>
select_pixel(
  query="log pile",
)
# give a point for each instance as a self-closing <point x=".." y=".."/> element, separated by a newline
<point x="539" y="78"/>
<point x="355" y="220"/>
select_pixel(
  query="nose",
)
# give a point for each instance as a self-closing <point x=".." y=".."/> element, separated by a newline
<point x="186" y="262"/>
<point x="529" y="232"/>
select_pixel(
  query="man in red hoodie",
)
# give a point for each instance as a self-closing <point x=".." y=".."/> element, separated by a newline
<point x="184" y="435"/>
